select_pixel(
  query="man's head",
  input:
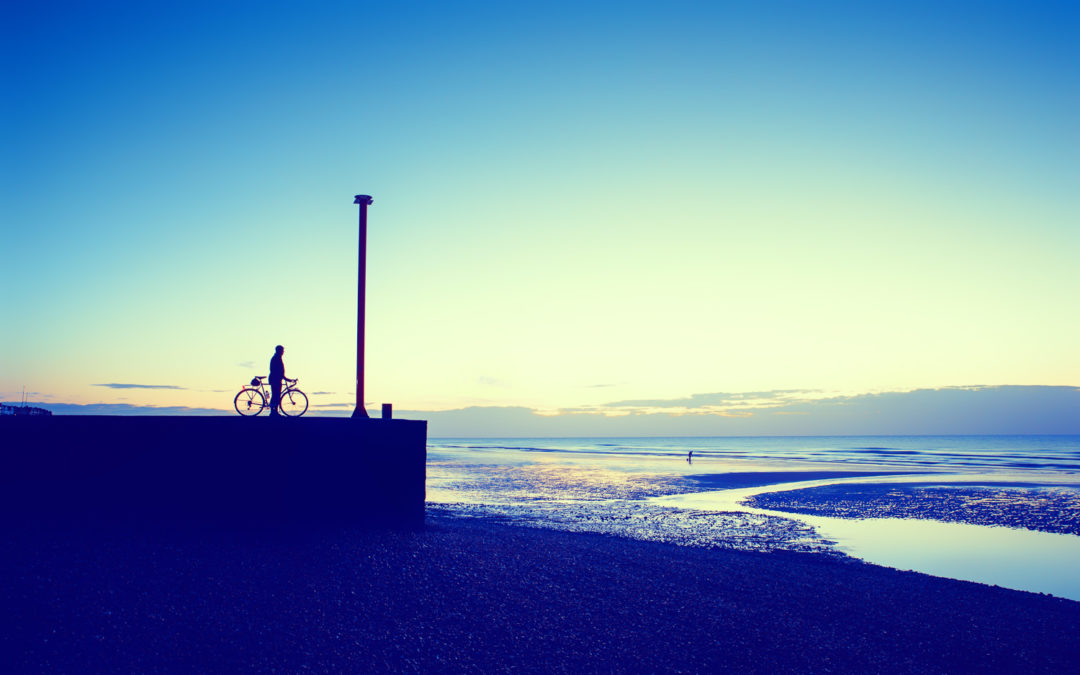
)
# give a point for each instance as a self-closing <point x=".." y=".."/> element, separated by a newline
<point x="279" y="350"/>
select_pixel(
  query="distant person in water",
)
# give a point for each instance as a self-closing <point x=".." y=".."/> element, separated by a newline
<point x="277" y="374"/>
<point x="690" y="457"/>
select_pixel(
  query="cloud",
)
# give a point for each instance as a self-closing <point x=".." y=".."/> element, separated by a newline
<point x="19" y="394"/>
<point x="728" y="404"/>
<point x="323" y="393"/>
<point x="967" y="410"/>
<point x="118" y="385"/>
<point x="126" y="409"/>
<point x="722" y="399"/>
<point x="246" y="364"/>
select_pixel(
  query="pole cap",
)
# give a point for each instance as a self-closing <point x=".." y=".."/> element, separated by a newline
<point x="366" y="200"/>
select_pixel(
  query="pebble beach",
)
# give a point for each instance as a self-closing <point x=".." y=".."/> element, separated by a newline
<point x="472" y="595"/>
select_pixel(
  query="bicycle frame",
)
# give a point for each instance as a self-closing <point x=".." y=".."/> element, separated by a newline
<point x="292" y="402"/>
<point x="264" y="388"/>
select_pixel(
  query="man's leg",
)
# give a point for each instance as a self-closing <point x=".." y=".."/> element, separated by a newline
<point x="275" y="397"/>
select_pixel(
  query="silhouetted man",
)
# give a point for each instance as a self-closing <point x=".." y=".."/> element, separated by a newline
<point x="277" y="374"/>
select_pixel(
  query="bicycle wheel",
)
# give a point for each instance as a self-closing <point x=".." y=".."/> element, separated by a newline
<point x="249" y="402"/>
<point x="293" y="402"/>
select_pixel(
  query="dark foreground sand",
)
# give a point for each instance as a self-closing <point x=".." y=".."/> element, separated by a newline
<point x="481" y="597"/>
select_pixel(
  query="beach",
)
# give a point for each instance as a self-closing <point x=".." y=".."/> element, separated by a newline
<point x="1000" y="510"/>
<point x="590" y="556"/>
<point x="471" y="595"/>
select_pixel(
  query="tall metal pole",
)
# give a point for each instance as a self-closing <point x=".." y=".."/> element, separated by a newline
<point x="364" y="201"/>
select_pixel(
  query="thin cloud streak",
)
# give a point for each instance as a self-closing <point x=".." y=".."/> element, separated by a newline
<point x="127" y="409"/>
<point x="778" y="396"/>
<point x="122" y="385"/>
<point x="724" y="404"/>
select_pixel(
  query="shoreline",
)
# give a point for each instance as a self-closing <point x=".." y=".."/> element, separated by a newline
<point x="477" y="596"/>
<point x="1034" y="550"/>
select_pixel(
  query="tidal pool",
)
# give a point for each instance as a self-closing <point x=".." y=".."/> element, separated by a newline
<point x="1022" y="559"/>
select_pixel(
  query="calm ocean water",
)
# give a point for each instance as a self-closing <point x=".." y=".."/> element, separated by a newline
<point x="962" y="454"/>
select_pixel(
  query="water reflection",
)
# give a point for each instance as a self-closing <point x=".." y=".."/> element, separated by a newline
<point x="1022" y="559"/>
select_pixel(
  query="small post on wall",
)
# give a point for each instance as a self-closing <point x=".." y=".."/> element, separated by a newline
<point x="364" y="201"/>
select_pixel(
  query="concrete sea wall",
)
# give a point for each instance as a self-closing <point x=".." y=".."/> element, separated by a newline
<point x="216" y="469"/>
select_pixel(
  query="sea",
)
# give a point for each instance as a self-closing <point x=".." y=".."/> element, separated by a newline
<point x="999" y="510"/>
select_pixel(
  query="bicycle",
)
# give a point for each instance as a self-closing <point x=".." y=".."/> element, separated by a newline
<point x="253" y="399"/>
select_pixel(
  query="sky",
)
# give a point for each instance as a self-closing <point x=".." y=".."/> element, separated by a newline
<point x="576" y="205"/>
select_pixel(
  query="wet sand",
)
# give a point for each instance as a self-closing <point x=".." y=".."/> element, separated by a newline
<point x="749" y="479"/>
<point x="476" y="596"/>
<point x="1045" y="508"/>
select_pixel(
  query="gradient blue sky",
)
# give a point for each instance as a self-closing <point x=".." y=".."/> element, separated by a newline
<point x="575" y="203"/>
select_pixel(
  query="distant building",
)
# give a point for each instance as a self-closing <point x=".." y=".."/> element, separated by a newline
<point x="6" y="409"/>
